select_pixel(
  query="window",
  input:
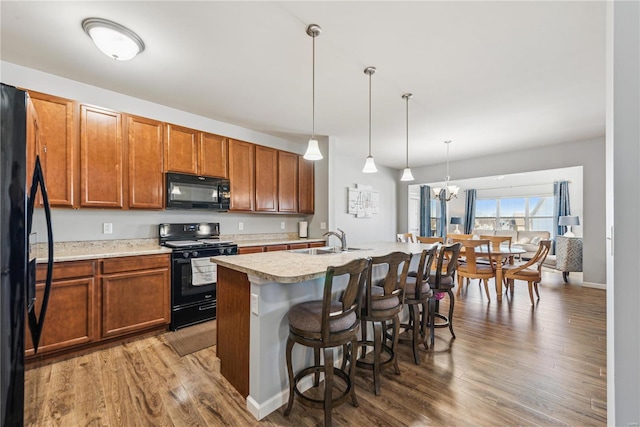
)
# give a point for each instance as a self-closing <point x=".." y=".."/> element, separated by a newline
<point x="515" y="213"/>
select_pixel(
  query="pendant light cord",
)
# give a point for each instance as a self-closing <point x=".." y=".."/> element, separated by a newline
<point x="370" y="114"/>
<point x="407" y="132"/>
<point x="313" y="90"/>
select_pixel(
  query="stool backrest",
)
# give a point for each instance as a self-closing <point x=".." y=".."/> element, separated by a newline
<point x="393" y="283"/>
<point x="450" y="254"/>
<point x="358" y="272"/>
<point x="431" y="240"/>
<point x="424" y="270"/>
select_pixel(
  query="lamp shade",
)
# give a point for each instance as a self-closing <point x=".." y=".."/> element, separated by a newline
<point x="569" y="220"/>
<point x="456" y="220"/>
<point x="313" y="151"/>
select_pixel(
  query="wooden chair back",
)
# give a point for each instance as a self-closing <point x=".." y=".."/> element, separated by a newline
<point x="405" y="238"/>
<point x="431" y="240"/>
<point x="393" y="284"/>
<point x="496" y="241"/>
<point x="471" y="256"/>
<point x="358" y="272"/>
<point x="447" y="262"/>
<point x="452" y="236"/>
<point x="427" y="258"/>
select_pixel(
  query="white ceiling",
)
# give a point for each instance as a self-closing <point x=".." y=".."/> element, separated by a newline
<point x="490" y="76"/>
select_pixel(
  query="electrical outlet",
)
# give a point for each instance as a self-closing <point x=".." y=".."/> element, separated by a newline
<point x="254" y="304"/>
<point x="240" y="226"/>
<point x="323" y="226"/>
<point x="282" y="225"/>
<point x="107" y="228"/>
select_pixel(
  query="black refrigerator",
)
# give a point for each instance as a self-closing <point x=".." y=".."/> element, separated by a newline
<point x="17" y="259"/>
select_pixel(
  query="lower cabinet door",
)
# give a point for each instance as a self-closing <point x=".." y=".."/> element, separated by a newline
<point x="70" y="316"/>
<point x="135" y="300"/>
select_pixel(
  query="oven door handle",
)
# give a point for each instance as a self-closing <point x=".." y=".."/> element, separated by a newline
<point x="182" y="261"/>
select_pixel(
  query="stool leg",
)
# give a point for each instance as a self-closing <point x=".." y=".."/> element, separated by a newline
<point x="394" y="345"/>
<point x="345" y="356"/>
<point x="452" y="302"/>
<point x="486" y="289"/>
<point x="415" y="323"/>
<point x="377" y="347"/>
<point x="352" y="371"/>
<point x="292" y="385"/>
<point x="423" y="324"/>
<point x="363" y="332"/>
<point x="328" y="385"/>
<point x="316" y="362"/>
<point x="432" y="320"/>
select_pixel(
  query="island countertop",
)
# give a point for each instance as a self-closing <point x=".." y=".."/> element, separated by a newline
<point x="292" y="267"/>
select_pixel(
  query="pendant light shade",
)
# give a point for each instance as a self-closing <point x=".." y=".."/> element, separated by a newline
<point x="114" y="40"/>
<point x="313" y="151"/>
<point x="369" y="164"/>
<point x="406" y="174"/>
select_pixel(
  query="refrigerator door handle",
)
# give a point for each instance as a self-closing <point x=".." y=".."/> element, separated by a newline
<point x="36" y="323"/>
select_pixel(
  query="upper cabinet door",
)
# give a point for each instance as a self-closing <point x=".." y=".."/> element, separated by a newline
<point x="287" y="182"/>
<point x="181" y="150"/>
<point x="101" y="178"/>
<point x="305" y="185"/>
<point x="145" y="143"/>
<point x="213" y="159"/>
<point x="57" y="145"/>
<point x="266" y="179"/>
<point x="241" y="175"/>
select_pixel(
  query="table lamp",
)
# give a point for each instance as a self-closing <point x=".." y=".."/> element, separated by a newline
<point x="569" y="221"/>
<point x="456" y="220"/>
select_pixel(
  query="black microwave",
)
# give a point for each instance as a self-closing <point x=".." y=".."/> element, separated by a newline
<point x="197" y="192"/>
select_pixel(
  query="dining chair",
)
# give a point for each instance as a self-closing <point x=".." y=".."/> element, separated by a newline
<point x="531" y="271"/>
<point x="382" y="303"/>
<point x="416" y="295"/>
<point x="471" y="268"/>
<point x="323" y="325"/>
<point x="496" y="242"/>
<point x="405" y="238"/>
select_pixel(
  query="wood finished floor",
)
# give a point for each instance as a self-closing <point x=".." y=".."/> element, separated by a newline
<point x="512" y="364"/>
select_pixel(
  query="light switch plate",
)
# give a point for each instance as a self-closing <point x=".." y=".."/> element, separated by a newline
<point x="254" y="304"/>
<point x="107" y="228"/>
<point x="240" y="226"/>
<point x="282" y="225"/>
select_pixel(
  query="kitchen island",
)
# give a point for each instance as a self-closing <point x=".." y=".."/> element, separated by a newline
<point x="254" y="295"/>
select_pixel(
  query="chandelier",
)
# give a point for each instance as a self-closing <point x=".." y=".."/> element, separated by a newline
<point x="450" y="191"/>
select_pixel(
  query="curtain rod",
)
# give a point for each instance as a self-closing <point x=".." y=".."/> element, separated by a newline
<point x="517" y="186"/>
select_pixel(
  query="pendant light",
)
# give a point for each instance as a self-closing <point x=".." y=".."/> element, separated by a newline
<point x="450" y="191"/>
<point x="406" y="174"/>
<point x="313" y="151"/>
<point x="369" y="164"/>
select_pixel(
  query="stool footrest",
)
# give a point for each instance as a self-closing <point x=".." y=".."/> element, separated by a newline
<point x="319" y="403"/>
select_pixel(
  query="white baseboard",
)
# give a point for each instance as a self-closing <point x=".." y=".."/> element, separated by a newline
<point x="595" y="285"/>
<point x="261" y="410"/>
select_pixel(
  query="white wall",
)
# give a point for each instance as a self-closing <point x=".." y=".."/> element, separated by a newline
<point x="345" y="172"/>
<point x="86" y="224"/>
<point x="623" y="112"/>
<point x="588" y="154"/>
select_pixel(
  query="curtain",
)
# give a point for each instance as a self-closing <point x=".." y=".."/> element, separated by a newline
<point x="442" y="229"/>
<point x="469" y="211"/>
<point x="561" y="207"/>
<point x="425" y="211"/>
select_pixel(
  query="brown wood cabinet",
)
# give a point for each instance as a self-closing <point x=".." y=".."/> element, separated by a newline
<point x="242" y="175"/>
<point x="71" y="315"/>
<point x="306" y="184"/>
<point x="56" y="142"/>
<point x="135" y="294"/>
<point x="144" y="147"/>
<point x="101" y="158"/>
<point x="213" y="156"/>
<point x="266" y="179"/>
<point x="298" y="245"/>
<point x="181" y="150"/>
<point x="250" y="250"/>
<point x="287" y="182"/>
<point x="272" y="248"/>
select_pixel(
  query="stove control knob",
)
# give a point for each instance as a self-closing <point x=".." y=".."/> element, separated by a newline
<point x="230" y="251"/>
<point x="185" y="255"/>
<point x="194" y="254"/>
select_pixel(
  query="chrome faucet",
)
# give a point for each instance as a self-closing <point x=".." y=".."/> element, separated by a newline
<point x="342" y="236"/>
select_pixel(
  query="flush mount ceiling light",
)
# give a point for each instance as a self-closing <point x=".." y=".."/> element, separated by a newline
<point x="313" y="151"/>
<point x="450" y="191"/>
<point x="406" y="174"/>
<point x="114" y="40"/>
<point x="369" y="164"/>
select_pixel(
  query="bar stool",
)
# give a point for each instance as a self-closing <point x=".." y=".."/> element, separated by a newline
<point x="442" y="280"/>
<point x="325" y="324"/>
<point x="417" y="294"/>
<point x="382" y="303"/>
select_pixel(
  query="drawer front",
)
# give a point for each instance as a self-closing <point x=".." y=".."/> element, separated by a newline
<point x="134" y="263"/>
<point x="272" y="248"/>
<point x="66" y="270"/>
<point x="250" y="250"/>
<point x="298" y="245"/>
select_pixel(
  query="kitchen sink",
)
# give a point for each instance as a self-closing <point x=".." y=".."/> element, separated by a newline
<point x="325" y="250"/>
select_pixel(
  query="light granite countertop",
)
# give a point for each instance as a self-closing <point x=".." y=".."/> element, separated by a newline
<point x="291" y="267"/>
<point x="77" y="251"/>
<point x="267" y="242"/>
